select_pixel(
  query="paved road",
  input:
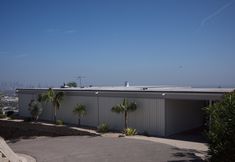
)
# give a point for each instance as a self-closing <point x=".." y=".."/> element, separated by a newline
<point x="100" y="149"/>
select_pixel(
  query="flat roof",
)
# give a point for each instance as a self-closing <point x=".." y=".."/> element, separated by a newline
<point x="142" y="89"/>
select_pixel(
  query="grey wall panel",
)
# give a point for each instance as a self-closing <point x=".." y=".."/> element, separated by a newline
<point x="160" y="117"/>
<point x="24" y="100"/>
<point x="149" y="116"/>
<point x="182" y="115"/>
<point x="114" y="120"/>
<point x="47" y="112"/>
<point x="67" y="105"/>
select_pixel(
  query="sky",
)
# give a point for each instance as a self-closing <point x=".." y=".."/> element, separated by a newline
<point x="159" y="42"/>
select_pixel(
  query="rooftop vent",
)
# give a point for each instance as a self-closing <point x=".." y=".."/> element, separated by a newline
<point x="127" y="84"/>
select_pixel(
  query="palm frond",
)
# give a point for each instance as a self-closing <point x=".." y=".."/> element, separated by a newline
<point x="80" y="110"/>
<point x="132" y="107"/>
<point x="118" y="108"/>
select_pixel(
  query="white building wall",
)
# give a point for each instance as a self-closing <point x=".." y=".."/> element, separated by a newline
<point x="182" y="115"/>
<point x="69" y="102"/>
<point x="24" y="100"/>
<point x="149" y="116"/>
<point x="114" y="120"/>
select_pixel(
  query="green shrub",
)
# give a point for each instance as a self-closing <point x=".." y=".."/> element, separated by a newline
<point x="2" y="116"/>
<point x="13" y="117"/>
<point x="35" y="109"/>
<point x="103" y="128"/>
<point x="59" y="122"/>
<point x="129" y="131"/>
<point x="221" y="133"/>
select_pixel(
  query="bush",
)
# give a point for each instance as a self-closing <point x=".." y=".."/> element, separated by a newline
<point x="27" y="119"/>
<point x="129" y="131"/>
<point x="35" y="109"/>
<point x="103" y="128"/>
<point x="13" y="117"/>
<point x="2" y="116"/>
<point x="9" y="113"/>
<point x="59" y="122"/>
<point x="221" y="133"/>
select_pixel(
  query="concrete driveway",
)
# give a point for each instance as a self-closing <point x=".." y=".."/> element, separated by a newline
<point x="100" y="149"/>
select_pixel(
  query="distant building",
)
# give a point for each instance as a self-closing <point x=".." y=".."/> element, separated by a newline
<point x="161" y="111"/>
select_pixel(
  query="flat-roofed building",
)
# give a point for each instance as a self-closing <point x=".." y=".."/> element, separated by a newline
<point x="161" y="110"/>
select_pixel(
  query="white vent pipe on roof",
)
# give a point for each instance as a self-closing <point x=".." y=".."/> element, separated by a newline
<point x="127" y="84"/>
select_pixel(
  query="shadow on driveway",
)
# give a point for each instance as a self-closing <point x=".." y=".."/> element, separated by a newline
<point x="185" y="155"/>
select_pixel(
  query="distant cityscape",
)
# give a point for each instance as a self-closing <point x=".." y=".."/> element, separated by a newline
<point x="8" y="87"/>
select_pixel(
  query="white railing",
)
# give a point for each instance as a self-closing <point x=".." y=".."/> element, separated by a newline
<point x="6" y="153"/>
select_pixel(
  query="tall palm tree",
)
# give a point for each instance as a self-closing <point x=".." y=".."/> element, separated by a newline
<point x="54" y="98"/>
<point x="80" y="111"/>
<point x="125" y="107"/>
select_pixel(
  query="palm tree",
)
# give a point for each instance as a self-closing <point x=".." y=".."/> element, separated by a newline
<point x="80" y="111"/>
<point x="125" y="107"/>
<point x="54" y="98"/>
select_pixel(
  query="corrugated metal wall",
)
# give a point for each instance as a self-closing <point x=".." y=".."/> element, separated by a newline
<point x="24" y="100"/>
<point x="149" y="116"/>
<point x="182" y="115"/>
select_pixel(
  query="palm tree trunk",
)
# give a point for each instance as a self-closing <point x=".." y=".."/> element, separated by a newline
<point x="126" y="120"/>
<point x="55" y="114"/>
<point x="79" y="121"/>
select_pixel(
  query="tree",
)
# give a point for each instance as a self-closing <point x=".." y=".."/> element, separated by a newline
<point x="72" y="84"/>
<point x="80" y="111"/>
<point x="54" y="98"/>
<point x="1" y="103"/>
<point x="35" y="109"/>
<point x="221" y="133"/>
<point x="125" y="107"/>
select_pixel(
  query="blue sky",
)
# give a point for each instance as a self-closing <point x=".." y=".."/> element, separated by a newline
<point x="177" y="42"/>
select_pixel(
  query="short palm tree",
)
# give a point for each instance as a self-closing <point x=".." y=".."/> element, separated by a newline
<point x="80" y="111"/>
<point x="35" y="109"/>
<point x="54" y="98"/>
<point x="125" y="107"/>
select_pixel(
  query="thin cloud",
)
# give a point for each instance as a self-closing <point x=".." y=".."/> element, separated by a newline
<point x="214" y="14"/>
<point x="52" y="30"/>
<point x="60" y="31"/>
